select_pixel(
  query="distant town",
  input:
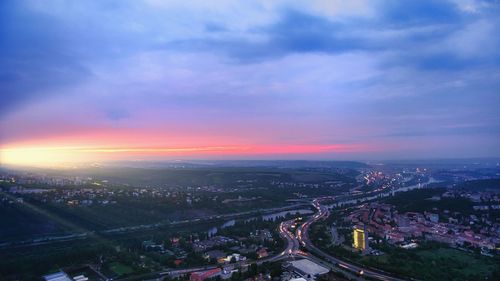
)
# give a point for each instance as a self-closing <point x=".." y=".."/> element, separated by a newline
<point x="259" y="223"/>
<point x="310" y="140"/>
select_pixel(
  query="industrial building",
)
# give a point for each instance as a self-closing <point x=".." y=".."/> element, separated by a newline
<point x="308" y="269"/>
<point x="58" y="276"/>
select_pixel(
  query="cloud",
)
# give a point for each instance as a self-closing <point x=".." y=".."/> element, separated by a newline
<point x="428" y="35"/>
<point x="294" y="32"/>
<point x="312" y="71"/>
<point x="33" y="57"/>
<point x="423" y="12"/>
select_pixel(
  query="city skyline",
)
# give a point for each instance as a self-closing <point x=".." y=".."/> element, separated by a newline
<point x="160" y="80"/>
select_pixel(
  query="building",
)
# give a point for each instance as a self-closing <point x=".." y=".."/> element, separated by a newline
<point x="214" y="255"/>
<point x="262" y="253"/>
<point x="308" y="268"/>
<point x="360" y="237"/>
<point x="394" y="237"/>
<point x="434" y="218"/>
<point x="202" y="275"/>
<point x="80" y="278"/>
<point x="58" y="276"/>
<point x="234" y="257"/>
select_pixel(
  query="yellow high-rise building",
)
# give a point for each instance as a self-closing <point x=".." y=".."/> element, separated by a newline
<point x="360" y="237"/>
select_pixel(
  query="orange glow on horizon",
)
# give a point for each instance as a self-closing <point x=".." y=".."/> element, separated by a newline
<point x="54" y="155"/>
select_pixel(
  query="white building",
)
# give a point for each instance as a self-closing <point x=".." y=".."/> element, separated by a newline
<point x="307" y="268"/>
<point x="58" y="276"/>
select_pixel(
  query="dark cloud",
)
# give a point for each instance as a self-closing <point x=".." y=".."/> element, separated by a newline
<point x="407" y="30"/>
<point x="33" y="57"/>
<point x="294" y="32"/>
<point x="215" y="27"/>
<point x="43" y="52"/>
<point x="421" y="12"/>
<point x="466" y="130"/>
<point x="299" y="32"/>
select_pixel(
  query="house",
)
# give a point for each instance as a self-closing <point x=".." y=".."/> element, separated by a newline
<point x="395" y="237"/>
<point x="202" y="275"/>
<point x="234" y="257"/>
<point x="214" y="255"/>
<point x="149" y="245"/>
<point x="262" y="253"/>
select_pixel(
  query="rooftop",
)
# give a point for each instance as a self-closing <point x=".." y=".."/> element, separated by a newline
<point x="58" y="276"/>
<point x="309" y="267"/>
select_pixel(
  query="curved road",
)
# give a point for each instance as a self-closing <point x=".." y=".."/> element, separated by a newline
<point x="292" y="249"/>
<point x="303" y="237"/>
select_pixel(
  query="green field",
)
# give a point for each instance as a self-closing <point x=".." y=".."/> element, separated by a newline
<point x="463" y="263"/>
<point x="120" y="269"/>
<point x="439" y="264"/>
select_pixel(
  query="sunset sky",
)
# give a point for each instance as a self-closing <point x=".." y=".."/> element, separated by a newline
<point x="151" y="80"/>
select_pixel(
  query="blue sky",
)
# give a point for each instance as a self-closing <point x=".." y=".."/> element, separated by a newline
<point x="383" y="79"/>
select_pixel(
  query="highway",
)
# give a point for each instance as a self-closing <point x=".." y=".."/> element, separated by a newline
<point x="292" y="243"/>
<point x="292" y="246"/>
<point x="43" y="240"/>
<point x="303" y="238"/>
<point x="293" y="249"/>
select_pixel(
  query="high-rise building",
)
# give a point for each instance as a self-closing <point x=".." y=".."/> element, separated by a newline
<point x="360" y="237"/>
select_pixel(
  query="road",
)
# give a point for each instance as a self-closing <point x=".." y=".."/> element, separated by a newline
<point x="293" y="249"/>
<point x="292" y="243"/>
<point x="303" y="237"/>
<point x="292" y="246"/>
<point x="44" y="240"/>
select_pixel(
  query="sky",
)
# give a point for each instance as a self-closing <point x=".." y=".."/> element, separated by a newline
<point x="151" y="80"/>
